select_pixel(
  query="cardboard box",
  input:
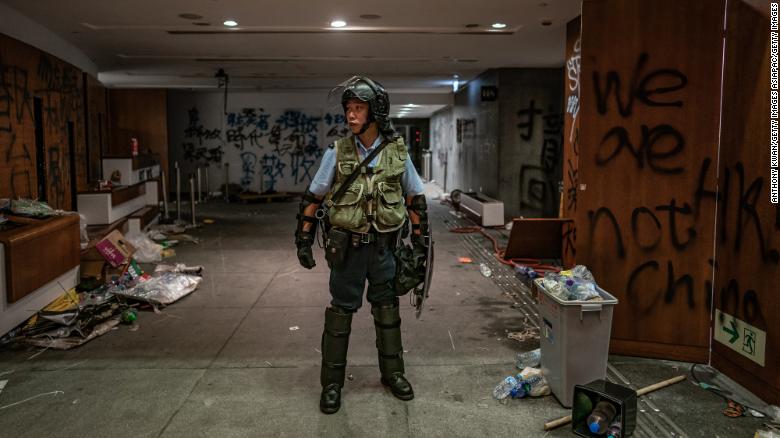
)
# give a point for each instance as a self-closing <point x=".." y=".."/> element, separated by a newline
<point x="115" y="249"/>
<point x="92" y="269"/>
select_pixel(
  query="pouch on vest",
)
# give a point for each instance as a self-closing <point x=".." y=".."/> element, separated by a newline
<point x="348" y="212"/>
<point x="336" y="247"/>
<point x="390" y="212"/>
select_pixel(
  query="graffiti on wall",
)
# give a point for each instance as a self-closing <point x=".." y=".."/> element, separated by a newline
<point x="274" y="149"/>
<point x="538" y="182"/>
<point x="571" y="155"/>
<point x="15" y="104"/>
<point x="58" y="86"/>
<point x="657" y="150"/>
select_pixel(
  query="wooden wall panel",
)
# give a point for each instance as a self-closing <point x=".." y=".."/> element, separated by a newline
<point x="27" y="73"/>
<point x="649" y="125"/>
<point x="142" y="114"/>
<point x="748" y="235"/>
<point x="96" y="125"/>
<point x="571" y="139"/>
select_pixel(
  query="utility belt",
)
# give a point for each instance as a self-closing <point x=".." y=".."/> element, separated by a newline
<point x="339" y="241"/>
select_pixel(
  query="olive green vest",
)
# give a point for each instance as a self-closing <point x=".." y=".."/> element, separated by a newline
<point x="375" y="198"/>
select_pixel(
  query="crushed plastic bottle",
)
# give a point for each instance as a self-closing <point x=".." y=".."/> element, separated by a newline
<point x="526" y="271"/>
<point x="504" y="389"/>
<point x="485" y="270"/>
<point x="527" y="359"/>
<point x="553" y="284"/>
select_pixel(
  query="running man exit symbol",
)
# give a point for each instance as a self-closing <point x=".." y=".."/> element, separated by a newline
<point x="749" y="344"/>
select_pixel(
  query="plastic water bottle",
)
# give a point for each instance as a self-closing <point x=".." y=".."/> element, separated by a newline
<point x="614" y="430"/>
<point x="485" y="270"/>
<point x="529" y="386"/>
<point x="520" y="390"/>
<point x="504" y="389"/>
<point x="601" y="417"/>
<point x="529" y="359"/>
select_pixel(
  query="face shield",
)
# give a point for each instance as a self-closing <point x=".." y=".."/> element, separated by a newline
<point x="353" y="88"/>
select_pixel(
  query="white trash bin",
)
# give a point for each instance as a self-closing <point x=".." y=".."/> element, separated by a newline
<point x="574" y="338"/>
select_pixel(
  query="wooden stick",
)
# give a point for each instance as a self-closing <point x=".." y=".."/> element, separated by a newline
<point x="567" y="419"/>
<point x="659" y="385"/>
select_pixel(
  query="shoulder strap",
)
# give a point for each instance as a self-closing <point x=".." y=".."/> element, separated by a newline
<point x="360" y="169"/>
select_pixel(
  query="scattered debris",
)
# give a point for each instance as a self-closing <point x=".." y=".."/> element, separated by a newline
<point x="269" y="364"/>
<point x="350" y="377"/>
<point x="293" y="328"/>
<point x="32" y="207"/>
<point x="165" y="289"/>
<point x="208" y="221"/>
<point x="2" y="384"/>
<point x="465" y="260"/>
<point x="66" y="343"/>
<point x="181" y="268"/>
<point x="734" y="409"/>
<point x="451" y="341"/>
<point x="529" y="333"/>
<point x="318" y="350"/>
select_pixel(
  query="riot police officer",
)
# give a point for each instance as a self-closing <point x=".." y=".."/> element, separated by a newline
<point x="365" y="205"/>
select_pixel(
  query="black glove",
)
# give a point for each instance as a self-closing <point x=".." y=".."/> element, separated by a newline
<point x="304" y="242"/>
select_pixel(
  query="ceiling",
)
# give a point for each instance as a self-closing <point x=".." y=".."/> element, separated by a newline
<point x="413" y="47"/>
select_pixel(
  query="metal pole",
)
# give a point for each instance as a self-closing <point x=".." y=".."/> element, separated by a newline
<point x="206" y="196"/>
<point x="192" y="199"/>
<point x="178" y="192"/>
<point x="227" y="179"/>
<point x="165" y="196"/>
<point x="200" y="198"/>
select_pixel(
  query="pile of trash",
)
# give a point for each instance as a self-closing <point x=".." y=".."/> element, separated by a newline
<point x="529" y="382"/>
<point x="576" y="284"/>
<point x="112" y="290"/>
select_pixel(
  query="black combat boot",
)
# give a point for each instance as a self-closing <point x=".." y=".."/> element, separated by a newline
<point x="387" y="321"/>
<point x="335" y="340"/>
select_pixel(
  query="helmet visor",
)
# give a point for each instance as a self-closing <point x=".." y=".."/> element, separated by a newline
<point x="354" y="87"/>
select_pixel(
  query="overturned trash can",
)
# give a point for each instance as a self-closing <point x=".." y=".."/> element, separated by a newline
<point x="574" y="337"/>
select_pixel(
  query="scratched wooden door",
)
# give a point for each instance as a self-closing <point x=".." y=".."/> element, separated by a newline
<point x="648" y="138"/>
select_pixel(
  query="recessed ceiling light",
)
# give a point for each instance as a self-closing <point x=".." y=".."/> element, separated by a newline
<point x="230" y="23"/>
<point x="338" y="23"/>
<point x="498" y="25"/>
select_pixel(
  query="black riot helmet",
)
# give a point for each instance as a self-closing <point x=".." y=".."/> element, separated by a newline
<point x="371" y="92"/>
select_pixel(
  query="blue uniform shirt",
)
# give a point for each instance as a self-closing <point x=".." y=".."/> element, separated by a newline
<point x="410" y="181"/>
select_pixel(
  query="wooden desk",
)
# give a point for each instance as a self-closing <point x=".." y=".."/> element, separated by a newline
<point x="37" y="251"/>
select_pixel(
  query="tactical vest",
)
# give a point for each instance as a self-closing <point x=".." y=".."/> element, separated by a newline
<point x="375" y="198"/>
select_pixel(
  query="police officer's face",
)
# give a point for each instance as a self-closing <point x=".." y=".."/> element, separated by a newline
<point x="356" y="114"/>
